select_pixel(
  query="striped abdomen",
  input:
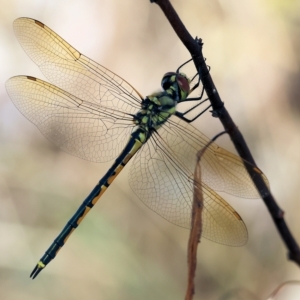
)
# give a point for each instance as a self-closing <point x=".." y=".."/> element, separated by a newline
<point x="135" y="142"/>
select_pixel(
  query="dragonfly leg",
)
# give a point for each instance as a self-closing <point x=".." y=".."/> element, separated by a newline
<point x="177" y="71"/>
<point x="181" y="115"/>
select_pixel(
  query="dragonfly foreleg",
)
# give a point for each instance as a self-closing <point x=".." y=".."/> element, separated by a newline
<point x="181" y="115"/>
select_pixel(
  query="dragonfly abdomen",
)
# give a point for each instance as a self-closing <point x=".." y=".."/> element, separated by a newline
<point x="136" y="140"/>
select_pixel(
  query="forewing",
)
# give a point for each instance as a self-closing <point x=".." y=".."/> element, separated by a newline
<point x="84" y="129"/>
<point x="70" y="70"/>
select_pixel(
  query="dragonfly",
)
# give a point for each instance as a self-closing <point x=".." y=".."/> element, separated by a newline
<point x="92" y="113"/>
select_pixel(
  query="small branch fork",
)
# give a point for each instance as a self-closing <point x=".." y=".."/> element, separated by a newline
<point x="194" y="46"/>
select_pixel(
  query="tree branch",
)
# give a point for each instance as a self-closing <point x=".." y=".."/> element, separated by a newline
<point x="194" y="46"/>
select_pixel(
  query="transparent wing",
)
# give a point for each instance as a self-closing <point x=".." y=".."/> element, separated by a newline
<point x="221" y="169"/>
<point x="70" y="70"/>
<point x="221" y="223"/>
<point x="85" y="129"/>
<point x="162" y="177"/>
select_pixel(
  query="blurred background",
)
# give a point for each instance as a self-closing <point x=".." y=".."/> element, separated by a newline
<point x="123" y="250"/>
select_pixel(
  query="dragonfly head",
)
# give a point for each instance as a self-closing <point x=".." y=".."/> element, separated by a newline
<point x="178" y="83"/>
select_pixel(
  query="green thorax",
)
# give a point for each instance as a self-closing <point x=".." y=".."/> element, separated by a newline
<point x="159" y="107"/>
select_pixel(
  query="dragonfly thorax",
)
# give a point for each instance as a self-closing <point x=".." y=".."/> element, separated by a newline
<point x="158" y="107"/>
<point x="155" y="111"/>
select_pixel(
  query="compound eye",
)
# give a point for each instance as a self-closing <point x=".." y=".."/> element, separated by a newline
<point x="183" y="83"/>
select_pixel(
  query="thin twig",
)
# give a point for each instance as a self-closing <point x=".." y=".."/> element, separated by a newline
<point x="196" y="230"/>
<point x="194" y="46"/>
<point x="196" y="223"/>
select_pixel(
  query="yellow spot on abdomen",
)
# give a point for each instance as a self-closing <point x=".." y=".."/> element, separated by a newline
<point x="40" y="265"/>
<point x="117" y="171"/>
<point x="127" y="158"/>
<point x="87" y="209"/>
<point x="103" y="189"/>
